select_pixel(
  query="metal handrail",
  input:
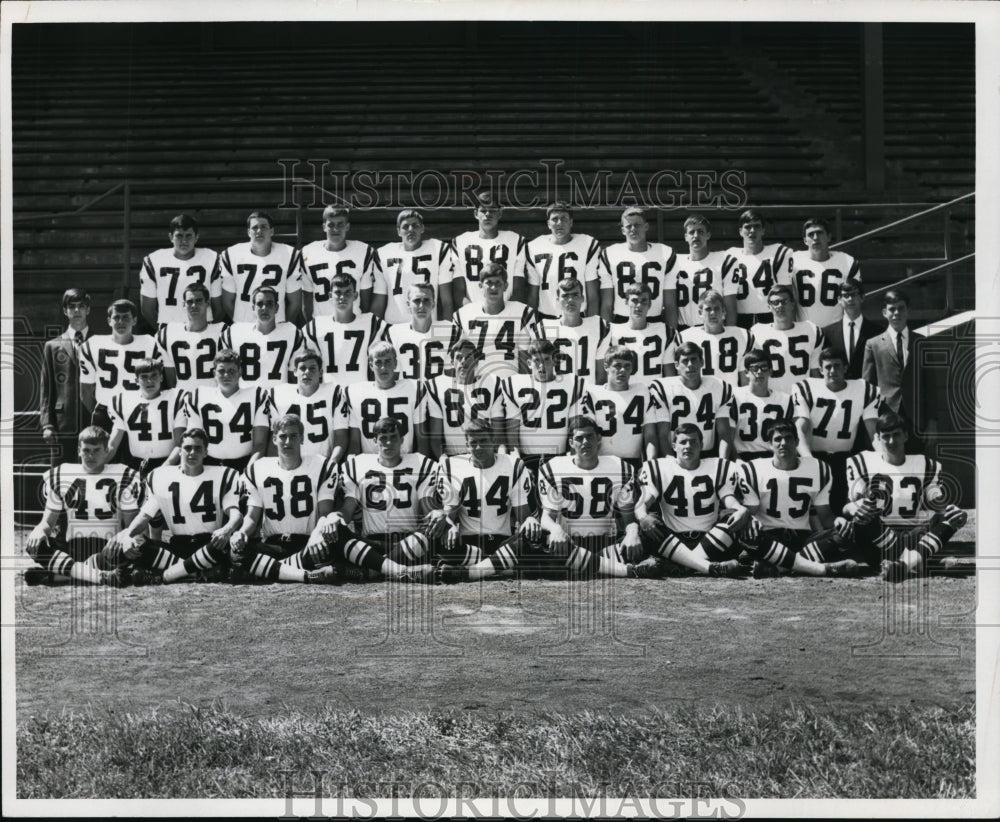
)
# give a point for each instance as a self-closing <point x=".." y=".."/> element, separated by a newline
<point x="920" y="275"/>
<point x="85" y="207"/>
<point x="904" y="220"/>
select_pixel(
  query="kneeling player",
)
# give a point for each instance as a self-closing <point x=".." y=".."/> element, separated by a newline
<point x="97" y="498"/>
<point x="892" y="497"/>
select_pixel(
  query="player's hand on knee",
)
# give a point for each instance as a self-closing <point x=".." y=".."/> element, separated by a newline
<point x="653" y="528"/>
<point x="531" y="529"/>
<point x="866" y="511"/>
<point x="956" y="517"/>
<point x="558" y="542"/>
<point x="220" y="537"/>
<point x="36" y="539"/>
<point x="632" y="544"/>
<point x="330" y="524"/>
<point x="844" y="527"/>
<point x="436" y="523"/>
<point x="238" y="542"/>
<point x="753" y="530"/>
<point x="452" y="539"/>
<point x="738" y="518"/>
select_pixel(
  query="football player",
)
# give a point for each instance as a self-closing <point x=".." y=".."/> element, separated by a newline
<point x="190" y="347"/>
<point x="581" y="342"/>
<point x="247" y="266"/>
<point x="166" y="273"/>
<point x="561" y="254"/>
<point x="496" y="326"/>
<point x="314" y="402"/>
<point x="474" y="250"/>
<point x="235" y="419"/>
<point x="266" y="347"/>
<point x="698" y="271"/>
<point x="107" y="361"/>
<point x="653" y="343"/>
<point x="689" y="511"/>
<point x="420" y="342"/>
<point x="793" y="346"/>
<point x="638" y="261"/>
<point x="412" y="260"/>
<point x="724" y="346"/>
<point x="690" y="397"/>
<point x="344" y="337"/>
<point x="755" y="267"/>
<point x="818" y="273"/>
<point x="321" y="260"/>
<point x="756" y="405"/>
<point x="96" y="498"/>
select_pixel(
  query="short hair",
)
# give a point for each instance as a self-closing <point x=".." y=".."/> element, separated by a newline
<point x="755" y="356"/>
<point x="851" y="285"/>
<point x="75" y="295"/>
<point x="569" y="283"/>
<point x="477" y="425"/>
<point x="464" y="342"/>
<point x="618" y="353"/>
<point x="558" y="205"/>
<point x="422" y="287"/>
<point x="196" y="434"/>
<point x="227" y="355"/>
<point x="286" y="421"/>
<point x="308" y="354"/>
<point x="582" y="421"/>
<point x="343" y="280"/>
<point x="120" y="306"/>
<point x="93" y="435"/>
<point x="148" y="365"/>
<point x="690" y="429"/>
<point x="889" y="421"/>
<point x="259" y="214"/>
<point x="711" y="296"/>
<point x="815" y="222"/>
<point x="493" y="270"/>
<point x="751" y="215"/>
<point x="409" y="214"/>
<point x="336" y="211"/>
<point x="697" y="219"/>
<point x="380" y="349"/>
<point x="833" y="353"/>
<point x="537" y="348"/>
<point x="633" y="211"/>
<point x="386" y="425"/>
<point x="689" y="349"/>
<point x="264" y="289"/>
<point x="896" y="295"/>
<point x="183" y="221"/>
<point x="486" y="199"/>
<point x="782" y="288"/>
<point x="639" y="290"/>
<point x="773" y="427"/>
<point x="198" y="288"/>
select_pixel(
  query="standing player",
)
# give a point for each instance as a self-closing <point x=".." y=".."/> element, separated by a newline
<point x="581" y="342"/>
<point x="246" y="267"/>
<point x="322" y="260"/>
<point x="412" y="260"/>
<point x="561" y="254"/>
<point x="624" y="412"/>
<point x="59" y="400"/>
<point x="792" y="346"/>
<point x="756" y="406"/>
<point x="653" y="343"/>
<point x="107" y="361"/>
<point x="420" y="342"/>
<point x="698" y="271"/>
<point x="235" y="419"/>
<point x="496" y="326"/>
<point x="314" y="402"/>
<point x="474" y="250"/>
<point x="637" y="261"/>
<point x="818" y="273"/>
<point x="190" y="347"/>
<point x="266" y="347"/>
<point x="96" y="498"/>
<point x="148" y="418"/>
<point x="344" y="337"/>
<point x="723" y="346"/>
<point x="165" y="274"/>
<point x="755" y="268"/>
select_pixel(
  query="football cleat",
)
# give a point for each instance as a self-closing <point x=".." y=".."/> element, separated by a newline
<point x="134" y="551"/>
<point x="896" y="570"/>
<point x="119" y="578"/>
<point x="327" y="575"/>
<point x="37" y="576"/>
<point x="731" y="568"/>
<point x="445" y="574"/>
<point x="843" y="568"/>
<point x="763" y="570"/>
<point x="140" y="577"/>
<point x="420" y="573"/>
<point x="649" y="568"/>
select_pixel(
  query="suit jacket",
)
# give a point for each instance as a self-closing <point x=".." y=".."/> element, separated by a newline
<point x="59" y="405"/>
<point x="833" y="336"/>
<point x="881" y="367"/>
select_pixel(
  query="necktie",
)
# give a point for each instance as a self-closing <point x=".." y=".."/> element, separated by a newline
<point x="77" y="340"/>
<point x="899" y="349"/>
<point x="852" y="342"/>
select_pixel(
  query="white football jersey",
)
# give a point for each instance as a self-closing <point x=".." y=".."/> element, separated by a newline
<point x="365" y="404"/>
<point x="620" y="267"/>
<point x="402" y="268"/>
<point x="289" y="497"/>
<point x="471" y="253"/>
<point x="243" y="272"/>
<point x="344" y="346"/>
<point x="91" y="502"/>
<point x="391" y="498"/>
<point x="148" y="424"/>
<point x="694" y="278"/>
<point x="902" y="488"/>
<point x="817" y="284"/>
<point x="110" y="366"/>
<point x="794" y="352"/>
<point x="553" y="263"/>
<point x="318" y="266"/>
<point x="621" y="416"/>
<point x="688" y="499"/>
<point x="265" y="359"/>
<point x="653" y="347"/>
<point x="544" y="410"/>
<point x="455" y="403"/>
<point x="190" y="353"/>
<point x="164" y="278"/>
<point x="722" y="353"/>
<point x="498" y="336"/>
<point x="835" y="415"/>
<point x="420" y="354"/>
<point x="701" y="406"/>
<point x="318" y="413"/>
<point x="754" y="274"/>
<point x="192" y="505"/>
<point x="484" y="496"/>
<point x="228" y="421"/>
<point x="785" y="496"/>
<point x="748" y="413"/>
<point x="578" y="348"/>
<point x="586" y="500"/>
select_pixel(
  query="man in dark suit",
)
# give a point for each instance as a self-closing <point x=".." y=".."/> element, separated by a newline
<point x="852" y="332"/>
<point x="59" y="404"/>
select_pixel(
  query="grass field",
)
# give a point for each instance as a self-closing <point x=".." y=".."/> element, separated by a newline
<point x="770" y="688"/>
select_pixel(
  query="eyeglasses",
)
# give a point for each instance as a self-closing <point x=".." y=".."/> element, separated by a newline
<point x="760" y="368"/>
<point x="778" y="303"/>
